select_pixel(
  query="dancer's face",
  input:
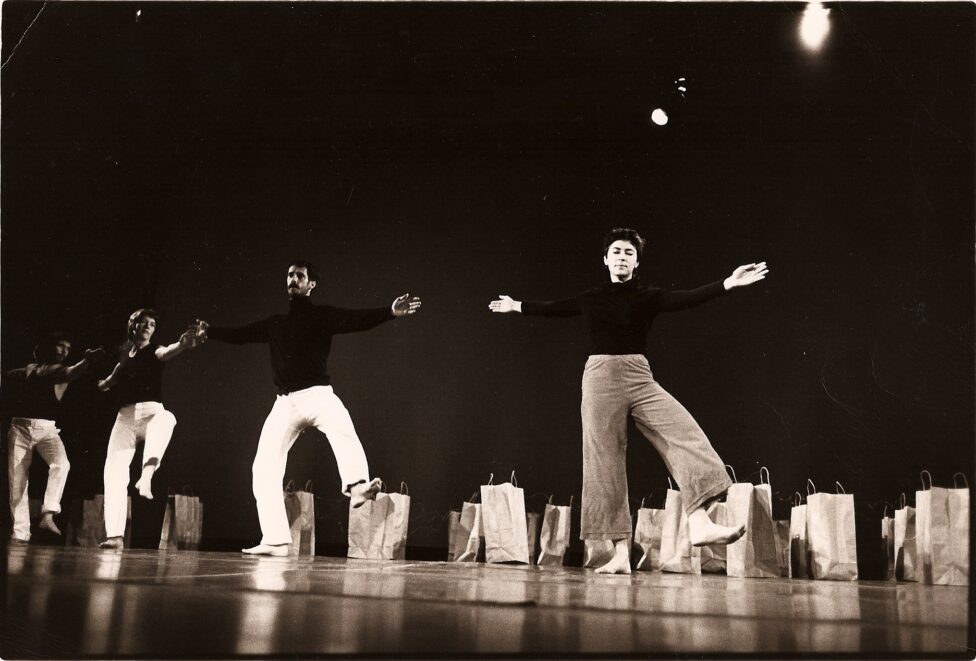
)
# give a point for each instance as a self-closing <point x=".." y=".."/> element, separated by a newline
<point x="145" y="327"/>
<point x="621" y="260"/>
<point x="298" y="282"/>
<point x="61" y="351"/>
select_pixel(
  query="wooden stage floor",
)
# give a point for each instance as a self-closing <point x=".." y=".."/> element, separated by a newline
<point x="71" y="602"/>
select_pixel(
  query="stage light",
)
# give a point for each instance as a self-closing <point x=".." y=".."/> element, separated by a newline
<point x="814" y="25"/>
<point x="659" y="117"/>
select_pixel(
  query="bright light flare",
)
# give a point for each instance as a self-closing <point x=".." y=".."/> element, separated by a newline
<point x="659" y="117"/>
<point x="815" y="25"/>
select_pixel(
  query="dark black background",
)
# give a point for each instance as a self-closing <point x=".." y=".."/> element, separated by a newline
<point x="180" y="158"/>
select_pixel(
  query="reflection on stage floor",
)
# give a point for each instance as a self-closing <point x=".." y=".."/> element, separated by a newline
<point x="68" y="602"/>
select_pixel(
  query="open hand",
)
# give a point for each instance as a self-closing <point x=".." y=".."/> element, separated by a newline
<point x="505" y="304"/>
<point x="746" y="275"/>
<point x="405" y="305"/>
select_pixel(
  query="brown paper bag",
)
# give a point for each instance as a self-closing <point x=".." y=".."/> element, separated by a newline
<point x="182" y="523"/>
<point x="906" y="555"/>
<point x="503" y="517"/>
<point x="888" y="536"/>
<point x="942" y="533"/>
<point x="470" y="539"/>
<point x="831" y="536"/>
<point x="677" y="554"/>
<point x="799" y="551"/>
<point x="532" y="520"/>
<point x="453" y="525"/>
<point x="554" y="536"/>
<point x="378" y="529"/>
<point x="647" y="538"/>
<point x="397" y="525"/>
<point x="92" y="531"/>
<point x="754" y="554"/>
<point x="300" y="508"/>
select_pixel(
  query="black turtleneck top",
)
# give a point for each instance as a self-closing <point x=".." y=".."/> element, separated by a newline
<point x="300" y="340"/>
<point x="619" y="315"/>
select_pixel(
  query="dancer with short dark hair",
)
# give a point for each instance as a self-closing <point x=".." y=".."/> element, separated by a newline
<point x="33" y="398"/>
<point x="617" y="382"/>
<point x="300" y="342"/>
<point x="138" y="384"/>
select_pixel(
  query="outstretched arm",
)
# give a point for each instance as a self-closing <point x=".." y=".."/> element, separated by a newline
<point x="69" y="373"/>
<point x="342" y="320"/>
<point x="680" y="299"/>
<point x="256" y="332"/>
<point x="189" y="339"/>
<point x="569" y="307"/>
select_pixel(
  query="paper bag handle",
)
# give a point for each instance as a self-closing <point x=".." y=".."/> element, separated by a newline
<point x="902" y="501"/>
<point x="491" y="479"/>
<point x="766" y="481"/>
<point x="670" y="485"/>
<point x="840" y="488"/>
<point x="550" y="500"/>
<point x="474" y="496"/>
<point x="884" y="512"/>
<point x="955" y="482"/>
<point x="403" y="489"/>
<point x="308" y="486"/>
<point x="187" y="491"/>
<point x="570" y="502"/>
<point x="797" y="498"/>
<point x="290" y="487"/>
<point x="642" y="502"/>
<point x="513" y="480"/>
<point x="921" y="476"/>
<point x="809" y="485"/>
<point x="732" y="470"/>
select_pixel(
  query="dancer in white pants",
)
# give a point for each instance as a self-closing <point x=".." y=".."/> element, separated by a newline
<point x="138" y="382"/>
<point x="33" y="397"/>
<point x="299" y="342"/>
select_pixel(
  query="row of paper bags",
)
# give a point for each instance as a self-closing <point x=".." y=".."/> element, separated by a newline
<point x="929" y="543"/>
<point x="182" y="523"/>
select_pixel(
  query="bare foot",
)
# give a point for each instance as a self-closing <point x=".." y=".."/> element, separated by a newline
<point x="620" y="563"/>
<point x="47" y="523"/>
<point x="112" y="543"/>
<point x="360" y="493"/>
<point x="144" y="485"/>
<point x="702" y="531"/>
<point x="277" y="550"/>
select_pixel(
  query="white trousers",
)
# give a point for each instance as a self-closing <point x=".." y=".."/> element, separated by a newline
<point x="25" y="436"/>
<point x="316" y="407"/>
<point x="145" y="421"/>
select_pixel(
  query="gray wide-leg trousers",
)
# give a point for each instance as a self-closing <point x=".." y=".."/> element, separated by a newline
<point x="613" y="388"/>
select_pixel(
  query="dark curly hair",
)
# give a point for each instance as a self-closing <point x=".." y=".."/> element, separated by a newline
<point x="313" y="273"/>
<point x="624" y="234"/>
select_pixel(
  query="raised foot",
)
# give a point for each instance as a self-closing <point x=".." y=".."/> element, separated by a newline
<point x="618" y="565"/>
<point x="112" y="543"/>
<point x="360" y="493"/>
<point x="144" y="485"/>
<point x="277" y="550"/>
<point x="714" y="534"/>
<point x="47" y="523"/>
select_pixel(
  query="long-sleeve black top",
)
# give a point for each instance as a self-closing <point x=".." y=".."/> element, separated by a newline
<point x="300" y="340"/>
<point x="619" y="315"/>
